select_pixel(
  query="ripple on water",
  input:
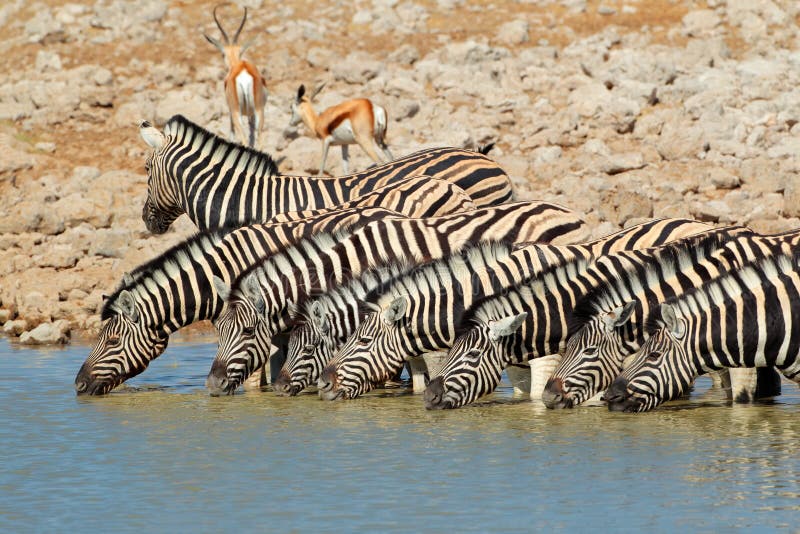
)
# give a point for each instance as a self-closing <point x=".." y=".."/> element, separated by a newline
<point x="162" y="453"/>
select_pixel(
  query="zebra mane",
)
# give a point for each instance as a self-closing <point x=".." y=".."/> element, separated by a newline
<point x="178" y="126"/>
<point x="164" y="267"/>
<point x="526" y="292"/>
<point x="647" y="269"/>
<point x="440" y="270"/>
<point x="307" y="247"/>
<point x="730" y="285"/>
<point x="340" y="296"/>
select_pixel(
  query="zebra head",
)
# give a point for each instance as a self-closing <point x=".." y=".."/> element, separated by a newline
<point x="659" y="371"/>
<point x="244" y="338"/>
<point x="161" y="207"/>
<point x="593" y="358"/>
<point x="311" y="346"/>
<point x="474" y="363"/>
<point x="125" y="347"/>
<point x="372" y="355"/>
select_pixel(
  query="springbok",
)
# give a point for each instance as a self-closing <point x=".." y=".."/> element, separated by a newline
<point x="351" y="122"/>
<point x="245" y="88"/>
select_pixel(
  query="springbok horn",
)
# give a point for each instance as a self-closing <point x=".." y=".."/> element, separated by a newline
<point x="244" y="19"/>
<point x="224" y="35"/>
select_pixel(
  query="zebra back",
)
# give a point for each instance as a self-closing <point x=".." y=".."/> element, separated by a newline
<point x="744" y="318"/>
<point x="218" y="183"/>
<point x="416" y="197"/>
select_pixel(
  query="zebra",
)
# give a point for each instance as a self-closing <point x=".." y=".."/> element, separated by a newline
<point x="531" y="319"/>
<point x="745" y="318"/>
<point x="179" y="287"/>
<point x="417" y="313"/>
<point x="320" y="325"/>
<point x="218" y="183"/>
<point x="608" y="321"/>
<point x="260" y="298"/>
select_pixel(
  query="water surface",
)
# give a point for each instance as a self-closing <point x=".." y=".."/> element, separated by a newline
<point x="160" y="454"/>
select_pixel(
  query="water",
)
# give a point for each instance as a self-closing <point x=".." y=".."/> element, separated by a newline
<point x="163" y="455"/>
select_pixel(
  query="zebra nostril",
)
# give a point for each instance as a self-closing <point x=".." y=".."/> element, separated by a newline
<point x="81" y="386"/>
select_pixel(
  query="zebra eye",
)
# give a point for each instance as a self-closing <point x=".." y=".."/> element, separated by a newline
<point x="364" y="340"/>
<point x="590" y="351"/>
<point x="472" y="355"/>
<point x="249" y="331"/>
<point x="309" y="348"/>
<point x="654" y="356"/>
<point x="112" y="341"/>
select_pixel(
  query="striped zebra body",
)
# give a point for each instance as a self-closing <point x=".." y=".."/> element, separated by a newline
<point x="531" y="319"/>
<point x="219" y="184"/>
<point x="178" y="288"/>
<point x="260" y="298"/>
<point x="418" y="312"/>
<point x="609" y="321"/>
<point x="745" y="318"/>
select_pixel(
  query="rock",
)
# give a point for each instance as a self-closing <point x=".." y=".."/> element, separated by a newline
<point x="15" y="327"/>
<point x="791" y="199"/>
<point x="618" y="163"/>
<point x="111" y="243"/>
<point x="514" y="32"/>
<point x="700" y="21"/>
<point x="723" y="178"/>
<point x="786" y="147"/>
<point x="546" y="154"/>
<point x="679" y="141"/>
<point x="356" y="68"/>
<point x="43" y="146"/>
<point x="47" y="333"/>
<point x="47" y="61"/>
<point x="715" y="211"/>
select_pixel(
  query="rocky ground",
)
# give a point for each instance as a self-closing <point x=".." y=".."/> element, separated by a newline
<point x="622" y="110"/>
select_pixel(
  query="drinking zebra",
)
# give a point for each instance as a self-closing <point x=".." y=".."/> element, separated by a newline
<point x="531" y="319"/>
<point x="609" y="320"/>
<point x="261" y="298"/>
<point x="218" y="183"/>
<point x="177" y="289"/>
<point x="418" y="312"/>
<point x="745" y="318"/>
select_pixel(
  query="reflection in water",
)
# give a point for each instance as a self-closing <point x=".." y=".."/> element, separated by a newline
<point x="162" y="453"/>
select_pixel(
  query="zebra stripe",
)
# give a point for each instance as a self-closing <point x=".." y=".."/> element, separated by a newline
<point x="264" y="292"/>
<point x="745" y="318"/>
<point x="176" y="289"/>
<point x="531" y="319"/>
<point x="608" y="321"/>
<point x="418" y="313"/>
<point x="219" y="184"/>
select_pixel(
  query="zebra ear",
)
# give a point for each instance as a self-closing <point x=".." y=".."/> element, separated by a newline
<point x="126" y="306"/>
<point x="252" y="291"/>
<point x="395" y="311"/>
<point x="152" y="136"/>
<point x="506" y="326"/>
<point x="671" y="321"/>
<point x="223" y="289"/>
<point x="318" y="316"/>
<point x="618" y="316"/>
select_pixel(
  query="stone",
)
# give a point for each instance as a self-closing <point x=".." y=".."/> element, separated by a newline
<point x="723" y="178"/>
<point x="786" y="147"/>
<point x="715" y="211"/>
<point x="618" y="163"/>
<point x="546" y="154"/>
<point x="47" y="61"/>
<point x="356" y="68"/>
<point x="57" y="332"/>
<point x="791" y="199"/>
<point x="15" y="327"/>
<point x="514" y="32"/>
<point x="700" y="21"/>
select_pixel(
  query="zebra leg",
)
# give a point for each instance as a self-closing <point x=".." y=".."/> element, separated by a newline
<point x="346" y="159"/>
<point x="768" y="383"/>
<point x="520" y="377"/>
<point x="744" y="382"/>
<point x="278" y="357"/>
<point x="542" y="369"/>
